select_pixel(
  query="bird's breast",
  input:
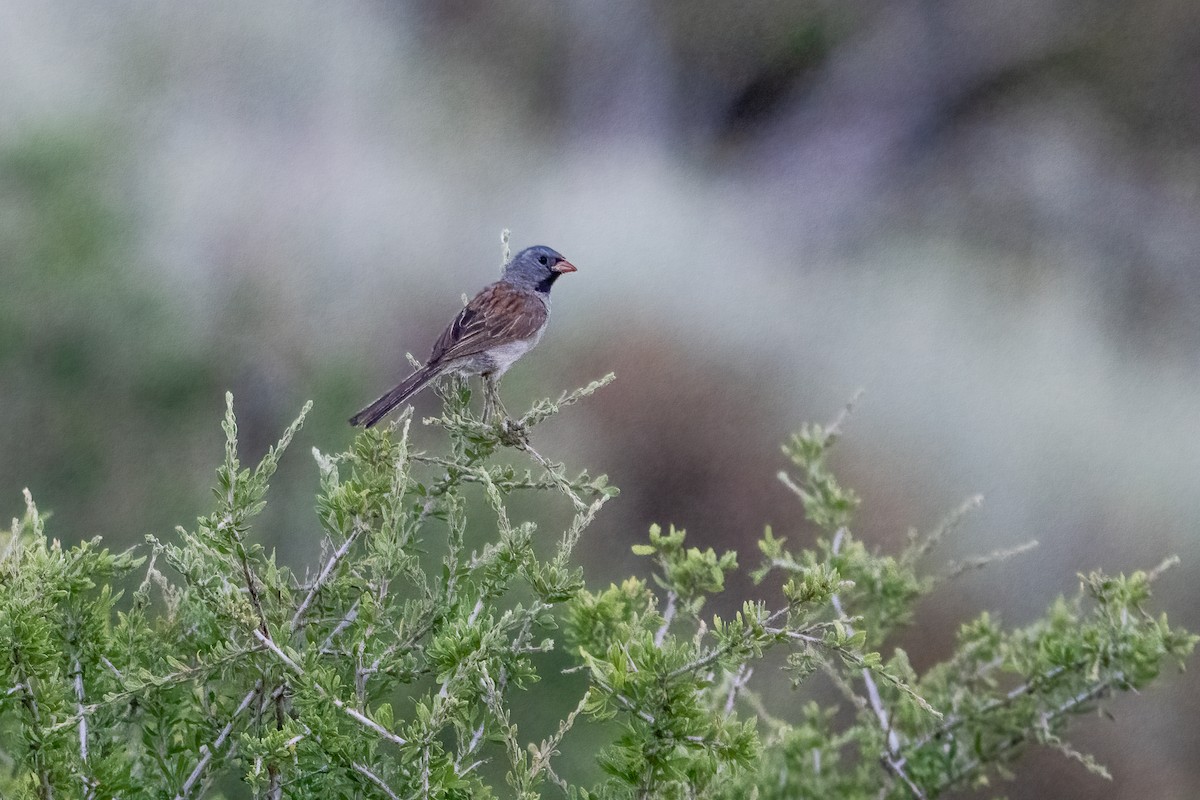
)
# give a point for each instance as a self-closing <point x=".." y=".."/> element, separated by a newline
<point x="504" y="356"/>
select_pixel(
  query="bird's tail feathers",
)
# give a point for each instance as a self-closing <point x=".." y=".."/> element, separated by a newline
<point x="406" y="389"/>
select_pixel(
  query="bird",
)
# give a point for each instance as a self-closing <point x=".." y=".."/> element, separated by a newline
<point x="498" y="326"/>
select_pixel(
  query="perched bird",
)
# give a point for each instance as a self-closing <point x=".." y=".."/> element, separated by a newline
<point x="501" y="324"/>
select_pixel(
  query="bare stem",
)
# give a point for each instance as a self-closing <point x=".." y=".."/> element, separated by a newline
<point x="353" y="713"/>
<point x="29" y="701"/>
<point x="668" y="616"/>
<point x="326" y="571"/>
<point x="208" y="751"/>
<point x="88" y="782"/>
<point x="365" y="771"/>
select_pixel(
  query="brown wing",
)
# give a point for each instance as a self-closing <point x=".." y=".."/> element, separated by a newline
<point x="500" y="314"/>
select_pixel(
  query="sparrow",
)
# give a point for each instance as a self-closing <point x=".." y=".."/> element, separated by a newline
<point x="502" y="323"/>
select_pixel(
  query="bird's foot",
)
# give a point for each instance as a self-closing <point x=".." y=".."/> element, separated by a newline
<point x="512" y="433"/>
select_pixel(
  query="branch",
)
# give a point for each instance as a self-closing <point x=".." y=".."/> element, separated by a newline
<point x="956" y="569"/>
<point x="715" y="653"/>
<point x="207" y="752"/>
<point x="873" y="697"/>
<point x="363" y="770"/>
<point x="1014" y="741"/>
<point x="170" y="679"/>
<point x="88" y="782"/>
<point x="570" y="538"/>
<point x="890" y="762"/>
<point x="736" y="684"/>
<point x="45" y="788"/>
<point x="351" y="615"/>
<point x="558" y="479"/>
<point x="353" y="713"/>
<point x="326" y="571"/>
<point x="955" y="721"/>
<point x="668" y="616"/>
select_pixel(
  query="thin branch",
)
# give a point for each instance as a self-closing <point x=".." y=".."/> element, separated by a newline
<point x="956" y="569"/>
<point x="738" y="683"/>
<point x="468" y="751"/>
<point x="668" y="616"/>
<point x="876" y="701"/>
<point x="552" y="470"/>
<point x="873" y="697"/>
<point x="948" y="524"/>
<point x="955" y="721"/>
<point x="890" y="762"/>
<point x="834" y="429"/>
<point x="171" y="679"/>
<point x="1167" y="563"/>
<point x="571" y="537"/>
<point x="104" y="660"/>
<point x="549" y="747"/>
<point x="29" y="701"/>
<point x="365" y="771"/>
<point x="207" y="752"/>
<point x="715" y="653"/>
<point x="274" y="787"/>
<point x="88" y="782"/>
<point x="1014" y="741"/>
<point x="353" y="713"/>
<point x="351" y="615"/>
<point x="326" y="571"/>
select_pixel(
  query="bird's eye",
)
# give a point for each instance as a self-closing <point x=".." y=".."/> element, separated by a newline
<point x="542" y="260"/>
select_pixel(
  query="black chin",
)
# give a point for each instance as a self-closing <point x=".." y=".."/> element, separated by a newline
<point x="547" y="282"/>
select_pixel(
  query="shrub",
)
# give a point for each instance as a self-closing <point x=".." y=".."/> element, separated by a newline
<point x="397" y="665"/>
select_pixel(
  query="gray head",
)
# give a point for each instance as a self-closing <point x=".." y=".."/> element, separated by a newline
<point x="536" y="268"/>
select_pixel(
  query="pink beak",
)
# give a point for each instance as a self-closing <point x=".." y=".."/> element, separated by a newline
<point x="564" y="266"/>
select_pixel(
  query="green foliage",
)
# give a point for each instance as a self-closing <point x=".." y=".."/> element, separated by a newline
<point x="399" y="664"/>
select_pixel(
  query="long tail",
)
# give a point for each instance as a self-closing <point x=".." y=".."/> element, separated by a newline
<point x="406" y="389"/>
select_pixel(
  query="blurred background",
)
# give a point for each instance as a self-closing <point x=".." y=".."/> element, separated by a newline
<point x="986" y="215"/>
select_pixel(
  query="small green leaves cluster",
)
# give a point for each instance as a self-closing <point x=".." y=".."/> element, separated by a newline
<point x="658" y="675"/>
<point x="399" y="663"/>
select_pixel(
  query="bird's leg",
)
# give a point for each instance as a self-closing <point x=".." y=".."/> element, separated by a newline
<point x="488" y="392"/>
<point x="491" y="398"/>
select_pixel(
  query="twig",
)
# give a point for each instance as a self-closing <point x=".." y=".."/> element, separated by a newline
<point x="947" y="525"/>
<point x="505" y="252"/>
<point x="715" y="654"/>
<point x="1013" y="741"/>
<point x="549" y="747"/>
<point x="834" y="429"/>
<point x="351" y="615"/>
<point x="559" y="480"/>
<point x="1167" y="563"/>
<point x="45" y="788"/>
<point x="104" y="660"/>
<point x="207" y="751"/>
<point x="876" y="701"/>
<point x="873" y="696"/>
<point x="472" y="746"/>
<point x="668" y="616"/>
<point x="953" y="722"/>
<point x="890" y="762"/>
<point x="571" y="536"/>
<point x="83" y="729"/>
<point x="365" y="771"/>
<point x="173" y="678"/>
<point x="274" y="787"/>
<point x="326" y="571"/>
<point x="956" y="569"/>
<point x="738" y="683"/>
<point x="353" y="713"/>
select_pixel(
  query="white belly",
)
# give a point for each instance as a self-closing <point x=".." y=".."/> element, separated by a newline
<point x="497" y="360"/>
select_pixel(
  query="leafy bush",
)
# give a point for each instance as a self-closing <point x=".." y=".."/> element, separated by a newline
<point x="396" y="666"/>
